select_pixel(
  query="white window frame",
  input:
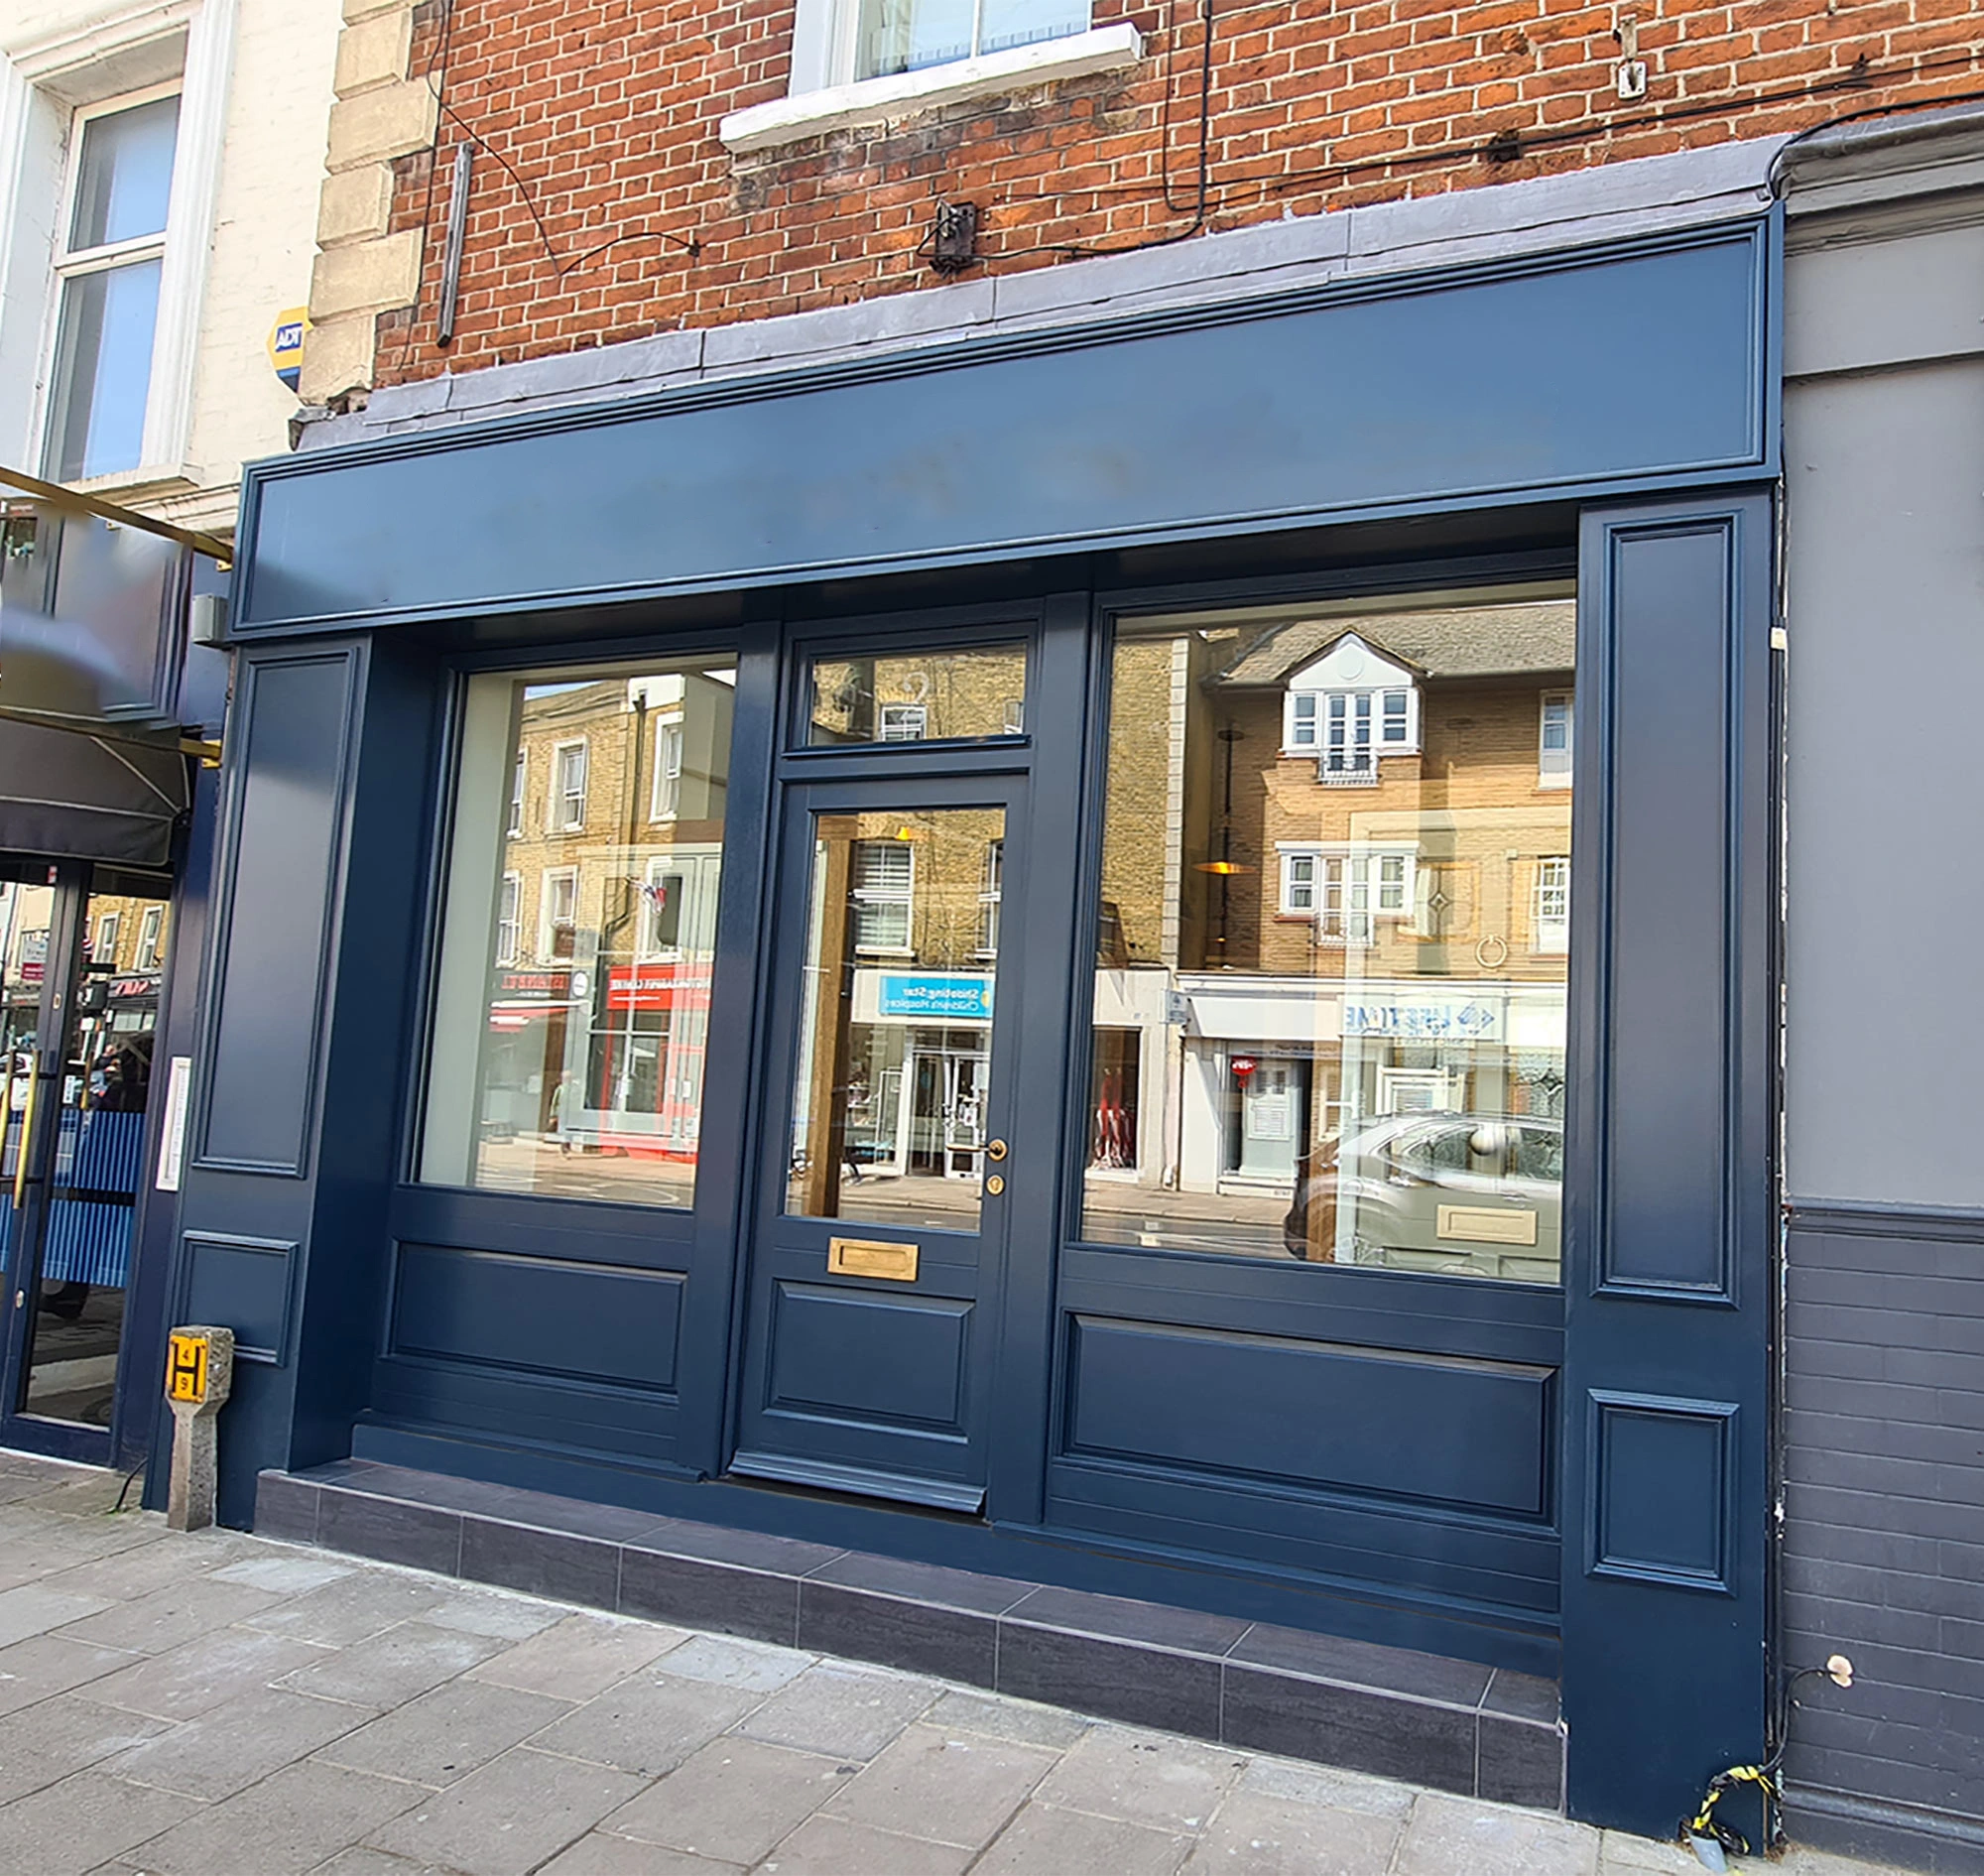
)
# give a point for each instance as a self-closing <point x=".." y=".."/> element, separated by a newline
<point x="556" y="817"/>
<point x="1306" y="730"/>
<point x="1553" y="767"/>
<point x="903" y="723"/>
<point x="824" y="95"/>
<point x="553" y="877"/>
<point x="509" y="893"/>
<point x="520" y="775"/>
<point x="1339" y="873"/>
<point x="665" y="795"/>
<point x="1550" y="931"/>
<point x="109" y="927"/>
<point x="991" y="895"/>
<point x="867" y="897"/>
<point x="115" y="55"/>
<point x="652" y="950"/>
<point x="151" y="930"/>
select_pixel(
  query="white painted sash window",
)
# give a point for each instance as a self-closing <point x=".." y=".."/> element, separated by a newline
<point x="567" y="806"/>
<point x="1554" y="741"/>
<point x="883" y="887"/>
<point x="1347" y="892"/>
<point x="1551" y="923"/>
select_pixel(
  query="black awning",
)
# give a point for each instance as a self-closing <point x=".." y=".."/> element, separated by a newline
<point x="67" y="794"/>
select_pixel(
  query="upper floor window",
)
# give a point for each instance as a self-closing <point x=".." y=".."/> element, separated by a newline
<point x="558" y="912"/>
<point x="509" y="903"/>
<point x="1347" y="892"/>
<point x="152" y="938"/>
<point x="109" y="263"/>
<point x="517" y="794"/>
<point x="667" y="800"/>
<point x="904" y="722"/>
<point x="892" y="36"/>
<point x="989" y="895"/>
<point x="1554" y="741"/>
<point x="1349" y="708"/>
<point x="567" y="787"/>
<point x="104" y="951"/>
<point x="1550" y="920"/>
<point x="884" y="886"/>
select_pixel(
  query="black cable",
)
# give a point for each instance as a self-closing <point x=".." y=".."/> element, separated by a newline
<point x="1199" y="211"/>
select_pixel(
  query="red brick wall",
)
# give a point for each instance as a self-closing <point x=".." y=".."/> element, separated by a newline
<point x="609" y="110"/>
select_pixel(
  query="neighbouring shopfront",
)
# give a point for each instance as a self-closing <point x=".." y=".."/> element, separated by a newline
<point x="1150" y="939"/>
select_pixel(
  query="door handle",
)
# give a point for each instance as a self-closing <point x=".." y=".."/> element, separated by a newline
<point x="992" y="1149"/>
<point x="27" y="1137"/>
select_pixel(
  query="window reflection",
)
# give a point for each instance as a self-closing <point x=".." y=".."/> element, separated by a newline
<point x="918" y="696"/>
<point x="890" y="1110"/>
<point x="1329" y="994"/>
<point x="581" y="934"/>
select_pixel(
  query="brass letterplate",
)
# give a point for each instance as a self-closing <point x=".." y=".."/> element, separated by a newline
<point x="1478" y="1225"/>
<point x="864" y="1257"/>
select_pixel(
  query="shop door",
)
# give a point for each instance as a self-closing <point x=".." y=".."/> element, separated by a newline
<point x="77" y="1087"/>
<point x="884" y="1167"/>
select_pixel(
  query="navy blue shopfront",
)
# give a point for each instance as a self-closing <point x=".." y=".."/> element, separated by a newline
<point x="906" y="1291"/>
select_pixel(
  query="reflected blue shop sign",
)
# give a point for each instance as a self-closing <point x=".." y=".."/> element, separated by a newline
<point x="1471" y="1021"/>
<point x="955" y="995"/>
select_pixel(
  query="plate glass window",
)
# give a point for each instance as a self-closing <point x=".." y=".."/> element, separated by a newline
<point x="894" y="35"/>
<point x="107" y="271"/>
<point x="889" y="1116"/>
<point x="920" y="696"/>
<point x="572" y="1014"/>
<point x="1329" y="997"/>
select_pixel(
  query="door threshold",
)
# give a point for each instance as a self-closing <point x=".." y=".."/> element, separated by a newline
<point x="1427" y="1719"/>
<point x="897" y="1487"/>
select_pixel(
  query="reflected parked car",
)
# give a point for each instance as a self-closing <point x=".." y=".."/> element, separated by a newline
<point x="1453" y="1194"/>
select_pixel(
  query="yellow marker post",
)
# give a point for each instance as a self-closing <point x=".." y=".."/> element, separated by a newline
<point x="200" y="1375"/>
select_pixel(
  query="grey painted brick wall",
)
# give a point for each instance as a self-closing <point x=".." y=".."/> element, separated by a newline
<point x="1883" y="1496"/>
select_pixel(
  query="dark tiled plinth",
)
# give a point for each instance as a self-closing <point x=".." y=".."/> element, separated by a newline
<point x="1461" y="1727"/>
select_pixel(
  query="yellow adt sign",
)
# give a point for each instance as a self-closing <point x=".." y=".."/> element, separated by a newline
<point x="286" y="344"/>
<point x="185" y="1368"/>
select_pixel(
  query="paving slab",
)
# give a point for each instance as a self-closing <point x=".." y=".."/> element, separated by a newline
<point x="835" y="1846"/>
<point x="36" y="1609"/>
<point x="198" y="1676"/>
<point x="286" y="1823"/>
<point x="1256" y="1835"/>
<point x="580" y="1657"/>
<point x="732" y="1802"/>
<point x="62" y="1735"/>
<point x="508" y="1818"/>
<point x="389" y="1669"/>
<point x="846" y="1713"/>
<point x="1169" y="1784"/>
<point x="176" y="1612"/>
<point x="647" y="1726"/>
<point x="33" y="1670"/>
<point x="1044" y="1839"/>
<point x="446" y="1734"/>
<point x="952" y="1787"/>
<point x="357" y="1606"/>
<point x="237" y="1743"/>
<point x="1444" y="1835"/>
<point x="599" y="1855"/>
<point x="70" y="1826"/>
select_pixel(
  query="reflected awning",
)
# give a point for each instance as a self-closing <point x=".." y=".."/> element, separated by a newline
<point x="72" y="796"/>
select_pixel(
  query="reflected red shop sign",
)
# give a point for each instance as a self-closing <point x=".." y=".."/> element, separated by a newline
<point x="658" y="987"/>
<point x="548" y="984"/>
<point x="146" y="984"/>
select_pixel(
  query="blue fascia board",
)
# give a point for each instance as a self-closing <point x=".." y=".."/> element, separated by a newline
<point x="1632" y="367"/>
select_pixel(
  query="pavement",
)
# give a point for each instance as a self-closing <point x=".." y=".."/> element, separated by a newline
<point x="218" y="1704"/>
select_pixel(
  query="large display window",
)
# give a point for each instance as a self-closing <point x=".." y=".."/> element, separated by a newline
<point x="1330" y="979"/>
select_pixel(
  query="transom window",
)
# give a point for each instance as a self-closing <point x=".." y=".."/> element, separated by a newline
<point x="892" y="36"/>
<point x="109" y="263"/>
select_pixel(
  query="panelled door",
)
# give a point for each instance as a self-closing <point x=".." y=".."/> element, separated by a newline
<point x="884" y="1165"/>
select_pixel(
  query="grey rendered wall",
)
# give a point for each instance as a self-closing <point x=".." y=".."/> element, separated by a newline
<point x="1884" y="1386"/>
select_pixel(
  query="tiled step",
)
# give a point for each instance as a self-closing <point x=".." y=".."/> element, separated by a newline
<point x="1424" y="1719"/>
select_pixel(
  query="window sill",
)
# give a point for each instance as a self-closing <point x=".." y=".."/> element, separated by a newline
<point x="875" y="100"/>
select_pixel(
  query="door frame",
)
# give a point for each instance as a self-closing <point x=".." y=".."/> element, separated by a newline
<point x="60" y="978"/>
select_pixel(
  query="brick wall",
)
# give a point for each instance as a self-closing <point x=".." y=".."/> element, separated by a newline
<point x="607" y="116"/>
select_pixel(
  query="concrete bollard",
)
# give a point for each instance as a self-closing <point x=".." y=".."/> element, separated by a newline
<point x="199" y="1374"/>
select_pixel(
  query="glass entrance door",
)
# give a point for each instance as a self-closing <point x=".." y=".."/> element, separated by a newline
<point x="82" y="974"/>
<point x="882" y="1196"/>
